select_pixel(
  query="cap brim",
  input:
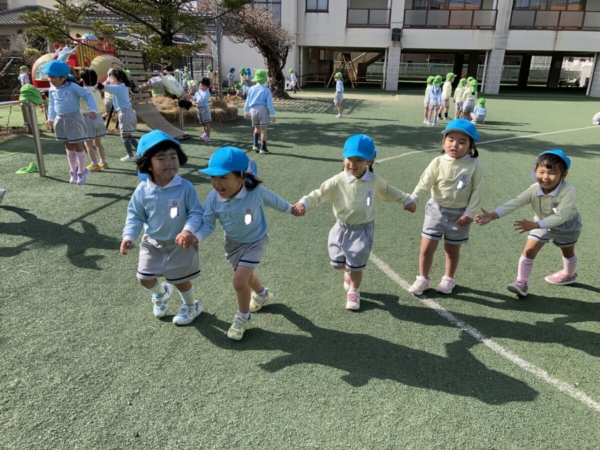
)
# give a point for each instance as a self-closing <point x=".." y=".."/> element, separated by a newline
<point x="214" y="172"/>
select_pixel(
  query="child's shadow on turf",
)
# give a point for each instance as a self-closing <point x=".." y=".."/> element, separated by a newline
<point x="364" y="357"/>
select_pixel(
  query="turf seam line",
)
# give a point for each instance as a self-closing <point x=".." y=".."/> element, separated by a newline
<point x="527" y="136"/>
<point x="497" y="348"/>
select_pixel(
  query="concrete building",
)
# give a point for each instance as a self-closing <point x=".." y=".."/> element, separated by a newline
<point x="477" y="37"/>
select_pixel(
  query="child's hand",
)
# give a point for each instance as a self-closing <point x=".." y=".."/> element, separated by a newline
<point x="273" y="119"/>
<point x="185" y="239"/>
<point x="463" y="221"/>
<point x="125" y="246"/>
<point x="411" y="207"/>
<point x="298" y="210"/>
<point x="49" y="124"/>
<point x="92" y="115"/>
<point x="525" y="225"/>
<point x="486" y="217"/>
<point x="246" y="116"/>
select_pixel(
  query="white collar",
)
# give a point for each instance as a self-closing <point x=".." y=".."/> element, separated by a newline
<point x="554" y="191"/>
<point x="176" y="181"/>
<point x="365" y="177"/>
<point x="240" y="194"/>
<point x="447" y="157"/>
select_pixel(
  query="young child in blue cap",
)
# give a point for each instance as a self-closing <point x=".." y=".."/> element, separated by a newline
<point x="353" y="192"/>
<point x="237" y="201"/>
<point x="168" y="210"/>
<point x="230" y="79"/>
<point x="455" y="182"/>
<point x="556" y="218"/>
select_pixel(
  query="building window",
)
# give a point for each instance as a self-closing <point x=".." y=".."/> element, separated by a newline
<point x="317" y="5"/>
<point x="271" y="5"/>
<point x="447" y="4"/>
<point x="555" y="5"/>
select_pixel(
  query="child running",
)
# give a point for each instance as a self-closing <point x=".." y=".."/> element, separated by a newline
<point x="201" y="99"/>
<point x="96" y="129"/>
<point x="458" y="98"/>
<point x="435" y="100"/>
<point x="556" y="218"/>
<point x="353" y="193"/>
<point x="259" y="107"/>
<point x="426" y="100"/>
<point x="455" y="181"/>
<point x="119" y="88"/>
<point x="339" y="94"/>
<point x="237" y="201"/>
<point x="64" y="114"/>
<point x="168" y="209"/>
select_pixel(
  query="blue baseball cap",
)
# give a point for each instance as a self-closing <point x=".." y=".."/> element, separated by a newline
<point x="560" y="154"/>
<point x="464" y="126"/>
<point x="360" y="146"/>
<point x="226" y="160"/>
<point x="57" y="68"/>
<point x="148" y="141"/>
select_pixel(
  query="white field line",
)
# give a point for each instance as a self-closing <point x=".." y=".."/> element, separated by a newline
<point x="490" y="142"/>
<point x="480" y="337"/>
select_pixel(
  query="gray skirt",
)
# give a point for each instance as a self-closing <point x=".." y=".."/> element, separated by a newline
<point x="350" y="245"/>
<point x="127" y="121"/>
<point x="166" y="258"/>
<point x="204" y="115"/>
<point x="70" y="127"/>
<point x="441" y="221"/>
<point x="95" y="128"/>
<point x="564" y="235"/>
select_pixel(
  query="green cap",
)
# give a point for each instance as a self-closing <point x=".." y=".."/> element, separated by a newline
<point x="473" y="84"/>
<point x="127" y="72"/>
<point x="209" y="67"/>
<point x="260" y="76"/>
<point x="462" y="82"/>
<point x="186" y="68"/>
<point x="469" y="79"/>
<point x="438" y="80"/>
<point x="481" y="102"/>
<point x="339" y="75"/>
<point x="450" y="75"/>
<point x="30" y="93"/>
<point x="23" y="67"/>
<point x="291" y="70"/>
<point x="238" y="85"/>
<point x="430" y="79"/>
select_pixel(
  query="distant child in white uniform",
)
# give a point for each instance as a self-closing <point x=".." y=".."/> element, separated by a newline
<point x="63" y="54"/>
<point x="435" y="100"/>
<point x="596" y="119"/>
<point x="231" y="79"/>
<point x="458" y="98"/>
<point x="426" y="99"/>
<point x="64" y="114"/>
<point x="237" y="202"/>
<point x="293" y="80"/>
<point x="446" y="94"/>
<point x="201" y="99"/>
<point x="455" y="182"/>
<point x="166" y="207"/>
<point x="119" y="88"/>
<point x="243" y="77"/>
<point x="259" y="107"/>
<point x="96" y="128"/>
<point x="353" y="193"/>
<point x="339" y="93"/>
<point x="469" y="99"/>
<point x="24" y="75"/>
<point x="480" y="112"/>
<point x="556" y="218"/>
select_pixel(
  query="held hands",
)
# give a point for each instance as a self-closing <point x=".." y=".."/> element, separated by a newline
<point x="273" y="119"/>
<point x="125" y="246"/>
<point x="246" y="116"/>
<point x="525" y="225"/>
<point x="298" y="210"/>
<point x="185" y="239"/>
<point x="463" y="221"/>
<point x="411" y="207"/>
<point x="486" y="217"/>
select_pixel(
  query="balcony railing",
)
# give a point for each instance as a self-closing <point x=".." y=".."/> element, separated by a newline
<point x="555" y="20"/>
<point x="451" y="18"/>
<point x="368" y="18"/>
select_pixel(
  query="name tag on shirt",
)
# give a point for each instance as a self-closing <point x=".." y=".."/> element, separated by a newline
<point x="248" y="216"/>
<point x="174" y="208"/>
<point x="369" y="198"/>
<point x="462" y="181"/>
<point x="555" y="207"/>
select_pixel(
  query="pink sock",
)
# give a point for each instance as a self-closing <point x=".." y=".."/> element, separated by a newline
<point x="570" y="265"/>
<point x="525" y="268"/>
<point x="81" y="159"/>
<point x="72" y="156"/>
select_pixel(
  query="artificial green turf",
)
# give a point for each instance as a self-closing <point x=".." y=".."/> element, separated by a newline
<point x="86" y="365"/>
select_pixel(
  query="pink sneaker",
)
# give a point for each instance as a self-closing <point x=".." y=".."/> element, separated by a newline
<point x="205" y="138"/>
<point x="353" y="301"/>
<point x="519" y="288"/>
<point x="560" y="278"/>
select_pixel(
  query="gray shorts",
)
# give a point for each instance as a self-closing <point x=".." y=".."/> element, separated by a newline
<point x="70" y="127"/>
<point x="459" y="105"/>
<point x="203" y="114"/>
<point x="108" y="104"/>
<point x="95" y="128"/>
<point x="468" y="106"/>
<point x="127" y="121"/>
<point x="441" y="221"/>
<point x="445" y="102"/>
<point x="426" y="103"/>
<point x="338" y="99"/>
<point x="350" y="245"/>
<point x="433" y="105"/>
<point x="166" y="258"/>
<point x="260" y="116"/>
<point x="565" y="235"/>
<point x="246" y="255"/>
<point x="479" y="119"/>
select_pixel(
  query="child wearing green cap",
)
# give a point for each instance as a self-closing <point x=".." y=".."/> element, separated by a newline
<point x="480" y="112"/>
<point x="469" y="99"/>
<point x="339" y="93"/>
<point x="446" y="94"/>
<point x="458" y="97"/>
<point x="24" y="75"/>
<point x="166" y="208"/>
<point x="556" y="218"/>
<point x="244" y="77"/>
<point x="426" y="100"/>
<point x="259" y="107"/>
<point x="186" y="73"/>
<point x="353" y="193"/>
<point x="434" y="101"/>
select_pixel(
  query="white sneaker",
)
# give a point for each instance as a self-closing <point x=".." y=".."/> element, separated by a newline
<point x="421" y="284"/>
<point x="82" y="177"/>
<point x="339" y="116"/>
<point x="426" y="122"/>
<point x="129" y="158"/>
<point x="446" y="285"/>
<point x="187" y="313"/>
<point x="161" y="302"/>
<point x="353" y="301"/>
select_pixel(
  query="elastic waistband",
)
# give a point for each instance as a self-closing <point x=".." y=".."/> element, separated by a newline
<point x="359" y="226"/>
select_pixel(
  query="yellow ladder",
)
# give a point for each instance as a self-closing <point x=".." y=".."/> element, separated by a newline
<point x="344" y="62"/>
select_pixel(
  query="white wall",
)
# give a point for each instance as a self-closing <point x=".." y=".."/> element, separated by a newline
<point x="12" y="4"/>
<point x="549" y="40"/>
<point x="464" y="40"/>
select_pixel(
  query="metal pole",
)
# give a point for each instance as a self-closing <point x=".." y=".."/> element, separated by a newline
<point x="180" y="108"/>
<point x="218" y="44"/>
<point x="36" y="138"/>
